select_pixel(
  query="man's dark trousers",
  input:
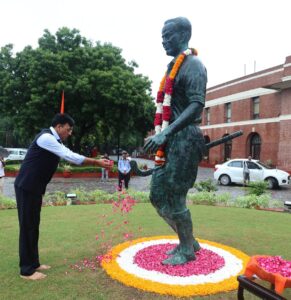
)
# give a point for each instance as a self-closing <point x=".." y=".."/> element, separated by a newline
<point x="29" y="207"/>
<point x="123" y="177"/>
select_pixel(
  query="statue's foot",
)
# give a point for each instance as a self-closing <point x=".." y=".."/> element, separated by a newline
<point x="175" y="250"/>
<point x="178" y="259"/>
<point x="196" y="246"/>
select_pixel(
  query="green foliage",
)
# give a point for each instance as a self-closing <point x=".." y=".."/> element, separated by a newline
<point x="56" y="198"/>
<point x="248" y="201"/>
<point x="6" y="203"/>
<point x="12" y="162"/>
<point x="102" y="90"/>
<point x="253" y="201"/>
<point x="223" y="199"/>
<point x="204" y="197"/>
<point x="257" y="188"/>
<point x="206" y="185"/>
<point x="140" y="197"/>
<point x="11" y="167"/>
<point x="97" y="196"/>
<point x="82" y="195"/>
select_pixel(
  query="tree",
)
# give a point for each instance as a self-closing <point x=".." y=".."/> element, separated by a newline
<point x="102" y="91"/>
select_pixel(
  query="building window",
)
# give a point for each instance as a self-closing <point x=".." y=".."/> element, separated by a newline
<point x="256" y="107"/>
<point x="227" y="112"/>
<point x="206" y="153"/>
<point x="207" y="116"/>
<point x="227" y="149"/>
<point x="255" y="146"/>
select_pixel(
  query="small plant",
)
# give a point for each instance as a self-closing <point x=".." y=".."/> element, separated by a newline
<point x="205" y="186"/>
<point x="98" y="196"/>
<point x="55" y="199"/>
<point x="253" y="201"/>
<point x="204" y="197"/>
<point x="257" y="188"/>
<point x="67" y="168"/>
<point x="140" y="197"/>
<point x="223" y="199"/>
<point x="7" y="203"/>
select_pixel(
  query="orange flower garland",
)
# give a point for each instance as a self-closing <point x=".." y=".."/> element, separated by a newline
<point x="163" y="111"/>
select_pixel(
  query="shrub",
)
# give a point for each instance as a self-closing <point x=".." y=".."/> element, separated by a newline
<point x="55" y="198"/>
<point x="99" y="196"/>
<point x="13" y="162"/>
<point x="205" y="186"/>
<point x="253" y="201"/>
<point x="257" y="188"/>
<point x="11" y="167"/>
<point x="204" y="197"/>
<point x="141" y="197"/>
<point x="223" y="199"/>
<point x="81" y="195"/>
<point x="6" y="203"/>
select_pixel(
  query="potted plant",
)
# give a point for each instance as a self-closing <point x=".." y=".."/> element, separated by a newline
<point x="67" y="171"/>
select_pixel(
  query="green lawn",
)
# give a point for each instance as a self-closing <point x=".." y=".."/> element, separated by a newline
<point x="68" y="236"/>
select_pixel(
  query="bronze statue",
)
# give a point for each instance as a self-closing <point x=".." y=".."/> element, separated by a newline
<point x="178" y="140"/>
<point x="180" y="143"/>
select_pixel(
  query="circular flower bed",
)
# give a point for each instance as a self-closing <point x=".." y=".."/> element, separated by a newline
<point x="138" y="264"/>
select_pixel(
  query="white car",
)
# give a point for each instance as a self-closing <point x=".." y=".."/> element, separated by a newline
<point x="232" y="172"/>
<point x="16" y="154"/>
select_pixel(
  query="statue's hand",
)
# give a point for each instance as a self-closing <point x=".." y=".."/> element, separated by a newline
<point x="154" y="142"/>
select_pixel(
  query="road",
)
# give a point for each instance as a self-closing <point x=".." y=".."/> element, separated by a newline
<point x="137" y="183"/>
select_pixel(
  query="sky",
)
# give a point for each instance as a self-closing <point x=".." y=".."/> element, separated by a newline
<point x="233" y="37"/>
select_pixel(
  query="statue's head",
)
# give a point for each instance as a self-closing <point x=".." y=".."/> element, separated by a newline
<point x="176" y="34"/>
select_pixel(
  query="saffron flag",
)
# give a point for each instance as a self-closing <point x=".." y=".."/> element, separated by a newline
<point x="63" y="103"/>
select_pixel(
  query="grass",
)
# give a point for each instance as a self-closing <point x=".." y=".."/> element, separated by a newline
<point x="68" y="236"/>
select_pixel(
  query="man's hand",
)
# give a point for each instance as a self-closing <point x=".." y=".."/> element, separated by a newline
<point x="105" y="163"/>
<point x="154" y="142"/>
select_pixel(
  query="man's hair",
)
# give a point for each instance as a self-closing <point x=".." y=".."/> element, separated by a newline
<point x="182" y="24"/>
<point x="62" y="119"/>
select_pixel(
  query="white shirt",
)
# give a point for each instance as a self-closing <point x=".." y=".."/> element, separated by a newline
<point x="50" y="142"/>
<point x="2" y="174"/>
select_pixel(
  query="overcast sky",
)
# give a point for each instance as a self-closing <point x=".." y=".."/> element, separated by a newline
<point x="228" y="34"/>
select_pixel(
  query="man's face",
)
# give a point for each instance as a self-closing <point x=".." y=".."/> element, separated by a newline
<point x="64" y="131"/>
<point x="171" y="39"/>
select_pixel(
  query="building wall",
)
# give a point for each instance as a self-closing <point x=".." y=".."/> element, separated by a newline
<point x="273" y="87"/>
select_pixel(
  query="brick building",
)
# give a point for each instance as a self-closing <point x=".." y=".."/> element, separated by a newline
<point x="260" y="105"/>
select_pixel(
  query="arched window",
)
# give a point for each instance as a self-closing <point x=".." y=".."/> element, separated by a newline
<point x="207" y="140"/>
<point x="255" y="146"/>
<point x="227" y="149"/>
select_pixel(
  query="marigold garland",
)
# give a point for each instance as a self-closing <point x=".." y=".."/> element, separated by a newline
<point x="114" y="270"/>
<point x="163" y="101"/>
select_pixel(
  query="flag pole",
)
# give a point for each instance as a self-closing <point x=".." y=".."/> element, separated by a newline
<point x="63" y="103"/>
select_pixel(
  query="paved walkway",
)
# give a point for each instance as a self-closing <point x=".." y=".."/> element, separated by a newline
<point x="138" y="183"/>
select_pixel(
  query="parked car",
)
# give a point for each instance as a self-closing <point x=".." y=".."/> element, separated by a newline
<point x="16" y="154"/>
<point x="232" y="172"/>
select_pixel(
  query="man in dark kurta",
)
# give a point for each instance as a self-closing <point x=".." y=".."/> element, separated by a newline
<point x="184" y="142"/>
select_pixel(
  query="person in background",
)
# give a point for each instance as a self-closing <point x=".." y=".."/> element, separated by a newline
<point x="36" y="171"/>
<point x="104" y="171"/>
<point x="2" y="174"/>
<point x="246" y="171"/>
<point x="123" y="170"/>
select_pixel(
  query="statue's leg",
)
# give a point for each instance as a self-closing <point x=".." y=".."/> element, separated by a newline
<point x="185" y="234"/>
<point x="177" y="203"/>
